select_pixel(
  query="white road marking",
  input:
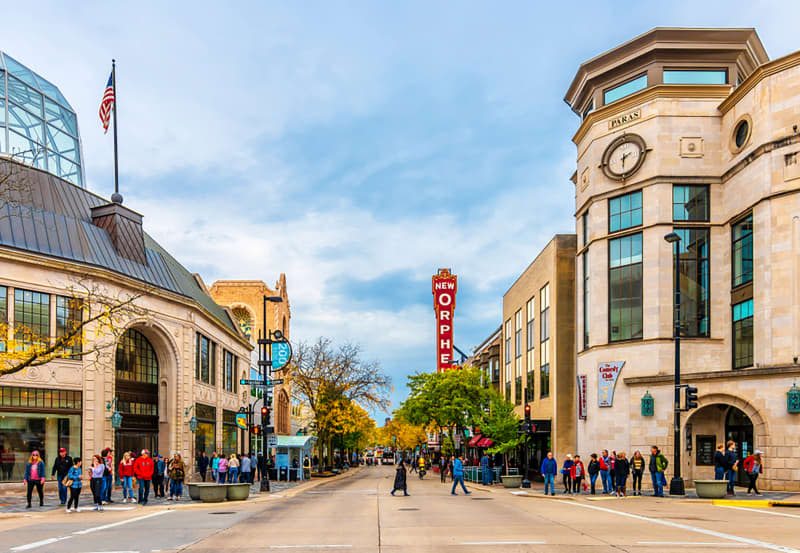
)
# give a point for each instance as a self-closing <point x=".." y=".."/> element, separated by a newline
<point x="115" y="524"/>
<point x="502" y="543"/>
<point x="309" y="546"/>
<point x="714" y="533"/>
<point x="708" y="543"/>
<point x="36" y="544"/>
<point x="774" y="513"/>
<point x="86" y="509"/>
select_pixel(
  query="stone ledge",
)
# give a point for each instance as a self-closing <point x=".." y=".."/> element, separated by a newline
<point x="715" y="375"/>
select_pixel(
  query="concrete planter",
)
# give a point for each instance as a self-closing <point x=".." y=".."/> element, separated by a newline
<point x="212" y="493"/>
<point x="711" y="489"/>
<point x="512" y="481"/>
<point x="237" y="492"/>
<point x="194" y="489"/>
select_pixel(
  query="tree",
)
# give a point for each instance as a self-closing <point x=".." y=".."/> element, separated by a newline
<point x="501" y="424"/>
<point x="402" y="435"/>
<point x="90" y="324"/>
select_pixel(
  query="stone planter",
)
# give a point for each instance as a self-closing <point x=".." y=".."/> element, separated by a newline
<point x="512" y="481"/>
<point x="212" y="493"/>
<point x="194" y="489"/>
<point x="237" y="492"/>
<point x="711" y="489"/>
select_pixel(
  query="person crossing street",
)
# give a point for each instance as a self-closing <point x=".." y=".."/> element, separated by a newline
<point x="61" y="466"/>
<point x="458" y="476"/>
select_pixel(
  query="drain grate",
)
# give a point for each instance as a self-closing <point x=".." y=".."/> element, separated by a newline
<point x="482" y="499"/>
<point x="409" y="509"/>
<point x="223" y="513"/>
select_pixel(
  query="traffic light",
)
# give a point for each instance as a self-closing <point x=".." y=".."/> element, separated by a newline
<point x="265" y="420"/>
<point x="691" y="397"/>
<point x="527" y="413"/>
<point x="255" y="430"/>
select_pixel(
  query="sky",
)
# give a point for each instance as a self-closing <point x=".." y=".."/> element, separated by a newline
<point x="355" y="146"/>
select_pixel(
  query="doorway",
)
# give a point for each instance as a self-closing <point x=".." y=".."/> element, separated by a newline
<point x="739" y="429"/>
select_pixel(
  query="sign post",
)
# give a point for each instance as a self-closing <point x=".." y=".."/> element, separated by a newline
<point x="444" y="286"/>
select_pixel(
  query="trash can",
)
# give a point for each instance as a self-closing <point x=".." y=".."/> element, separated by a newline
<point x="284" y="474"/>
<point x="293" y="475"/>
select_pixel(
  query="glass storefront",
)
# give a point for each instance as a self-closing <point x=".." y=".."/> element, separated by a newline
<point x="229" y="430"/>
<point x="37" y="419"/>
<point x="205" y="438"/>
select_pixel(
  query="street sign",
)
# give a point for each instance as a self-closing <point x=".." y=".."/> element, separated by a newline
<point x="241" y="420"/>
<point x="272" y="440"/>
<point x="281" y="355"/>
<point x="263" y="383"/>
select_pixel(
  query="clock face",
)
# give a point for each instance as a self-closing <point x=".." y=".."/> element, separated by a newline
<point x="624" y="156"/>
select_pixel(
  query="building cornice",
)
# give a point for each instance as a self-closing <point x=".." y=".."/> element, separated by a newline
<point x="762" y="72"/>
<point x="775" y="370"/>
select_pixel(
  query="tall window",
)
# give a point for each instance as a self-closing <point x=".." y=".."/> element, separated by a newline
<point x="31" y="318"/>
<point x="205" y="362"/>
<point x="694" y="281"/>
<point x="530" y="361"/>
<point x="229" y="432"/>
<point x="69" y="316"/>
<point x="231" y="380"/>
<point x="518" y="357"/>
<point x="544" y="341"/>
<point x="625" y="211"/>
<point x="585" y="225"/>
<point x="742" y="251"/>
<point x="508" y="359"/>
<point x="743" y="334"/>
<point x="3" y="315"/>
<point x="136" y="359"/>
<point x="585" y="264"/>
<point x="690" y="203"/>
<point x="625" y="288"/>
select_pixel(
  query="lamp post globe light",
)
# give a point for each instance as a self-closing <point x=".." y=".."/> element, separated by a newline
<point x="676" y="484"/>
<point x="116" y="417"/>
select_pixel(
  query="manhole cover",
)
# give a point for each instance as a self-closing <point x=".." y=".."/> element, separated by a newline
<point x="409" y="509"/>
<point x="223" y="513"/>
<point x="482" y="499"/>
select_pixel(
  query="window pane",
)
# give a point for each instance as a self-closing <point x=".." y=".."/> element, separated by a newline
<point x="625" y="211"/>
<point x="24" y="96"/>
<point x="743" y="334"/>
<point x="625" y="89"/>
<point x="742" y="269"/>
<point x="62" y="143"/>
<point x="625" y="288"/>
<point x="31" y="318"/>
<point x="136" y="359"/>
<point x="60" y="117"/>
<point x="26" y="150"/>
<point x="690" y="203"/>
<point x="25" y="123"/>
<point x="695" y="76"/>
<point x="69" y="316"/>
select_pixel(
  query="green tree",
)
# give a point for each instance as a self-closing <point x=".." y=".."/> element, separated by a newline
<point x="501" y="424"/>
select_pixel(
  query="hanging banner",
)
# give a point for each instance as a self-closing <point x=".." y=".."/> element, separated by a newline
<point x="607" y="374"/>
<point x="582" y="400"/>
<point x="444" y="287"/>
<point x="241" y="420"/>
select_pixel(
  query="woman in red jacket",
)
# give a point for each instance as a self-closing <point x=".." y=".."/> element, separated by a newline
<point x="126" y="475"/>
<point x="578" y="473"/>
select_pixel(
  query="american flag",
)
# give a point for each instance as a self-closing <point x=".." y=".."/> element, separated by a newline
<point x="107" y="103"/>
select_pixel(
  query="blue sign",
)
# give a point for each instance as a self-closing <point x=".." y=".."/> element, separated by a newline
<point x="281" y="355"/>
<point x="241" y="420"/>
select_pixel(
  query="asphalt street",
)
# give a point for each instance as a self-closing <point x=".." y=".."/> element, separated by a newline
<point x="357" y="514"/>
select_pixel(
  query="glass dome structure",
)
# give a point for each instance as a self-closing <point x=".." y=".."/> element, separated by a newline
<point x="37" y="125"/>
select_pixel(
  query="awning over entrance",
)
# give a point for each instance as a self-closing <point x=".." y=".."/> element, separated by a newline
<point x="485" y="442"/>
<point x="474" y="441"/>
<point x="296" y="442"/>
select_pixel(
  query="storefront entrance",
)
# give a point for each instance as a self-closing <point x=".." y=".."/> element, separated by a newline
<point x="739" y="428"/>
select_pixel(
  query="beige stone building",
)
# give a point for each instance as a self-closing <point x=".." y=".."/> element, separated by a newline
<point x="178" y="356"/>
<point x="692" y="131"/>
<point x="537" y="365"/>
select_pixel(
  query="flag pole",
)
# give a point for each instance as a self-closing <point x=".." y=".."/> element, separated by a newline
<point x="116" y="163"/>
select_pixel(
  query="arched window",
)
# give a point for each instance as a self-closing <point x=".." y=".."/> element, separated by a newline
<point x="244" y="320"/>
<point x="136" y="359"/>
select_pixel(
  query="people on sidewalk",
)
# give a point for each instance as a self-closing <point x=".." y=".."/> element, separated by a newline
<point x="222" y="469"/>
<point x="594" y="471"/>
<point x="754" y="466"/>
<point x="458" y="475"/>
<point x="549" y="470"/>
<point x="637" y="471"/>
<point x="34" y="477"/>
<point x="577" y="474"/>
<point x="486" y="472"/>
<point x="604" y="467"/>
<point x="658" y="464"/>
<point x="245" y="468"/>
<point x="566" y="470"/>
<point x="233" y="468"/>
<point x="159" y="470"/>
<point x="125" y="471"/>
<point x="214" y="466"/>
<point x="202" y="465"/>
<point x="731" y="465"/>
<point x="621" y="471"/>
<point x="143" y="468"/>
<point x="61" y="466"/>
<point x="177" y="472"/>
<point x="108" y="474"/>
<point x="73" y="482"/>
<point x="96" y="473"/>
<point x="400" y="479"/>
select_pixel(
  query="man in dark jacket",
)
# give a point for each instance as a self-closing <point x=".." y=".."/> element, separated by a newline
<point x="400" y="479"/>
<point x="202" y="465"/>
<point x="731" y="465"/>
<point x="658" y="463"/>
<point x="61" y="467"/>
<point x="549" y="471"/>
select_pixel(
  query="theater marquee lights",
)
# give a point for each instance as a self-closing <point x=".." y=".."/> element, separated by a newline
<point x="444" y="304"/>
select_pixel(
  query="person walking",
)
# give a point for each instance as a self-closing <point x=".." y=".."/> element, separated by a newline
<point x="202" y="465"/>
<point x="549" y="469"/>
<point x="177" y="472"/>
<point x="566" y="470"/>
<point x="34" y="477"/>
<point x="108" y="475"/>
<point x="637" y="470"/>
<point x="307" y="468"/>
<point x="233" y="468"/>
<point x="400" y="479"/>
<point x="622" y="469"/>
<point x="125" y="471"/>
<point x="594" y="470"/>
<point x="612" y="478"/>
<point x="604" y="461"/>
<point x="214" y="466"/>
<point x="143" y="468"/>
<point x="443" y="463"/>
<point x="485" y="470"/>
<point x="754" y="466"/>
<point x="73" y="481"/>
<point x="719" y="462"/>
<point x="731" y="465"/>
<point x="61" y="466"/>
<point x="159" y="469"/>
<point x="458" y="476"/>
<point x="577" y="474"/>
<point x="657" y="466"/>
<point x="222" y="469"/>
<point x="254" y="469"/>
<point x="96" y="473"/>
<point x="245" y="468"/>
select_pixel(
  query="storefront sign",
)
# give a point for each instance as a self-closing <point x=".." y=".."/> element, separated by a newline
<point x="444" y="287"/>
<point x="607" y="374"/>
<point x="582" y="400"/>
<point x="624" y="119"/>
<point x="241" y="420"/>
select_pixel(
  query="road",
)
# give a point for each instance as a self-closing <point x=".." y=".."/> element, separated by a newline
<point x="356" y="514"/>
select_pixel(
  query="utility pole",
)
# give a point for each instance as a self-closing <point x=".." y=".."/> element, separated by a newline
<point x="676" y="484"/>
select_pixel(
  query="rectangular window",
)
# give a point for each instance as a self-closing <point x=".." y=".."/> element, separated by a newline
<point x="508" y="390"/>
<point x="230" y="380"/>
<point x="508" y="346"/>
<point x="585" y="264"/>
<point x="229" y="438"/>
<point x="531" y="378"/>
<point x="69" y="316"/>
<point x="625" y="89"/>
<point x="517" y="390"/>
<point x="690" y="203"/>
<point x="625" y="211"/>
<point x="529" y="330"/>
<point x="694" y="281"/>
<point x="544" y="341"/>
<point x="3" y="313"/>
<point x="743" y="334"/>
<point x="518" y="334"/>
<point x="31" y="318"/>
<point x="518" y="357"/>
<point x="625" y="288"/>
<point x="205" y="438"/>
<point x="205" y="359"/>
<point x="585" y="226"/>
<point x="695" y="76"/>
<point x="742" y="269"/>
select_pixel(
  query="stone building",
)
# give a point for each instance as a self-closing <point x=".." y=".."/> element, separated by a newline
<point x="486" y="357"/>
<point x="691" y="131"/>
<point x="538" y="352"/>
<point x="176" y="360"/>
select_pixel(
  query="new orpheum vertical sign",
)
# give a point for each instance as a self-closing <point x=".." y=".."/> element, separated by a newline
<point x="444" y="305"/>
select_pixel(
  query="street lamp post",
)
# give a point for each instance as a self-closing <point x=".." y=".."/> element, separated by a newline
<point x="676" y="484"/>
<point x="265" y="368"/>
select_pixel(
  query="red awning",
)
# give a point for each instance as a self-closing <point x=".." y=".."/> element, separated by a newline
<point x="485" y="442"/>
<point x="474" y="441"/>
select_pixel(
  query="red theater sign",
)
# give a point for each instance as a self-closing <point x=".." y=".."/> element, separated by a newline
<point x="444" y="304"/>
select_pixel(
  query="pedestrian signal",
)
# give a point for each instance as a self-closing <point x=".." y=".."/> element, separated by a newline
<point x="691" y="397"/>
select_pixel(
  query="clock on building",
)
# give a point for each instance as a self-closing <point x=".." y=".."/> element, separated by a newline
<point x="624" y="156"/>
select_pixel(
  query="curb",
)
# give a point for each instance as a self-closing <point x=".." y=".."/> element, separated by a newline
<point x="754" y="503"/>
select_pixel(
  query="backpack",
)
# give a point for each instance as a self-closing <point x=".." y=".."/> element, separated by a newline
<point x="664" y="460"/>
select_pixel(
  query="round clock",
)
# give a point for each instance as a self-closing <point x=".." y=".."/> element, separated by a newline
<point x="624" y="156"/>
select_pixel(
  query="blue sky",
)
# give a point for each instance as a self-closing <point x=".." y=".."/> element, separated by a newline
<point x="357" y="147"/>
